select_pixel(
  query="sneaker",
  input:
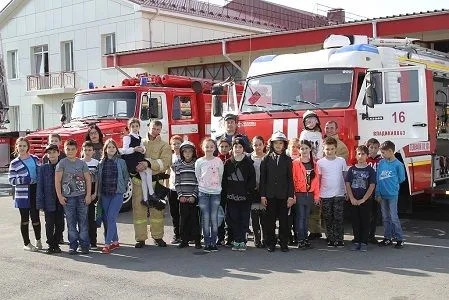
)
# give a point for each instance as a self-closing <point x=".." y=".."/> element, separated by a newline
<point x="72" y="251"/>
<point x="385" y="242"/>
<point x="355" y="246"/>
<point x="330" y="244"/>
<point x="84" y="250"/>
<point x="39" y="245"/>
<point x="258" y="244"/>
<point x="284" y="248"/>
<point x="198" y="245"/>
<point x="175" y="241"/>
<point x="139" y="244"/>
<point x="114" y="246"/>
<point x="50" y="251"/>
<point x="207" y="248"/>
<point x="30" y="247"/>
<point x="106" y="250"/>
<point x="235" y="246"/>
<point x="213" y="248"/>
<point x="242" y="247"/>
<point x="301" y="244"/>
<point x="145" y="203"/>
<point x="314" y="236"/>
<point x="57" y="250"/>
<point x="271" y="248"/>
<point x="229" y="243"/>
<point x="93" y="246"/>
<point x="220" y="243"/>
<point x="183" y="245"/>
<point x="160" y="243"/>
<point x="263" y="244"/>
<point x="399" y="245"/>
<point x="363" y="247"/>
<point x="373" y="241"/>
<point x="340" y="244"/>
<point x="308" y="244"/>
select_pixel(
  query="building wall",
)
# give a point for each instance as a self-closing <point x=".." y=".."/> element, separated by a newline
<point x="50" y="22"/>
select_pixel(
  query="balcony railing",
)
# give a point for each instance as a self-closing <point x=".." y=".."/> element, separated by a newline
<point x="55" y="80"/>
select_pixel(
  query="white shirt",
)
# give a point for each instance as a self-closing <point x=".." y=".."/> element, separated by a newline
<point x="316" y="139"/>
<point x="127" y="140"/>
<point x="332" y="180"/>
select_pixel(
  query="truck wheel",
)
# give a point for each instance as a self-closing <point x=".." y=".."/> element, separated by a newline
<point x="127" y="196"/>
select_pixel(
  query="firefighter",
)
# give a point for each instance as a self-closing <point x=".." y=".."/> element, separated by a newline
<point x="231" y="121"/>
<point x="331" y="130"/>
<point x="158" y="157"/>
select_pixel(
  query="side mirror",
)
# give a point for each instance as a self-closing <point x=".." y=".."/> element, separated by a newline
<point x="370" y="94"/>
<point x="63" y="118"/>
<point x="63" y="112"/>
<point x="217" y="103"/>
<point x="153" y="106"/>
<point x="176" y="112"/>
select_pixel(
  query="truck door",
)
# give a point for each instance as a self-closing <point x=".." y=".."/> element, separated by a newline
<point x="185" y="119"/>
<point x="400" y="111"/>
<point x="154" y="107"/>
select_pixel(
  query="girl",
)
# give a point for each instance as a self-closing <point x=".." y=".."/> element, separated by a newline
<point x="111" y="184"/>
<point x="312" y="133"/>
<point x="239" y="182"/>
<point x="175" y="143"/>
<point x="23" y="176"/>
<point x="95" y="136"/>
<point x="293" y="152"/>
<point x="258" y="211"/>
<point x="209" y="172"/>
<point x="133" y="152"/>
<point x="224" y="154"/>
<point x="307" y="190"/>
<point x="276" y="189"/>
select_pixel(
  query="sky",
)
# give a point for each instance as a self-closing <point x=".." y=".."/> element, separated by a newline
<point x="369" y="9"/>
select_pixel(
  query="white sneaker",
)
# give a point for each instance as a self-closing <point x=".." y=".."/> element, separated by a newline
<point x="39" y="245"/>
<point x="30" y="247"/>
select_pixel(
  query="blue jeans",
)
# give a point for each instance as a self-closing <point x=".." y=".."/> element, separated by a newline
<point x="392" y="225"/>
<point x="111" y="206"/>
<point x="304" y="202"/>
<point x="76" y="215"/>
<point x="209" y="204"/>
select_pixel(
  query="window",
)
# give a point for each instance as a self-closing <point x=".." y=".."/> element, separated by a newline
<point x="401" y="86"/>
<point x="216" y="71"/>
<point x="182" y="108"/>
<point x="12" y="64"/>
<point x="151" y="108"/>
<point x="38" y="116"/>
<point x="109" y="43"/>
<point x="40" y="60"/>
<point x="67" y="56"/>
<point x="14" y="118"/>
<point x="104" y="105"/>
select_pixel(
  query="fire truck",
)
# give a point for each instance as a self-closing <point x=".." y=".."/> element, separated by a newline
<point x="388" y="89"/>
<point x="182" y="104"/>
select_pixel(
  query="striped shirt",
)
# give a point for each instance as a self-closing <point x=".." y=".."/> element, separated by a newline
<point x="185" y="179"/>
<point x="19" y="176"/>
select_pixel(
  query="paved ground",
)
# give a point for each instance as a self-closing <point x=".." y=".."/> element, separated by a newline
<point x="418" y="271"/>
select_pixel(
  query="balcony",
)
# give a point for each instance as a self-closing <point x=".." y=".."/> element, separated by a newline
<point x="51" y="83"/>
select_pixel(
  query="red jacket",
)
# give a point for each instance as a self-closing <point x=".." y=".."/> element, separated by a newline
<point x="299" y="179"/>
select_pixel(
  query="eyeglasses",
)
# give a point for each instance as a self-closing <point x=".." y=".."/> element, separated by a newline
<point x="93" y="132"/>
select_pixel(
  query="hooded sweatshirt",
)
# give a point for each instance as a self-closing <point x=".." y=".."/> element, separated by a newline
<point x="239" y="179"/>
<point x="390" y="173"/>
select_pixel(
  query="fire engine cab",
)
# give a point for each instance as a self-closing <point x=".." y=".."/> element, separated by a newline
<point x="388" y="89"/>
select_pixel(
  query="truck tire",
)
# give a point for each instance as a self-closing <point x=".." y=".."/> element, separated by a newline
<point x="127" y="198"/>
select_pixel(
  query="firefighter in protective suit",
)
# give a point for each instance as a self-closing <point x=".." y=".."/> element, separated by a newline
<point x="158" y="157"/>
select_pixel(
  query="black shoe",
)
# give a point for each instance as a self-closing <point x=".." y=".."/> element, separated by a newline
<point x="340" y="244"/>
<point x="213" y="248"/>
<point x="160" y="243"/>
<point x="308" y="244"/>
<point x="139" y="244"/>
<point x="145" y="203"/>
<point x="84" y="250"/>
<point x="331" y="244"/>
<point x="258" y="244"/>
<point x="385" y="242"/>
<point x="73" y="251"/>
<point x="284" y="248"/>
<point x="271" y="248"/>
<point x="314" y="236"/>
<point x="183" y="245"/>
<point x="373" y="241"/>
<point x="229" y="243"/>
<point x="301" y="244"/>
<point x="207" y="248"/>
<point x="263" y="244"/>
<point x="61" y="242"/>
<point x="220" y="243"/>
<point x="50" y="250"/>
<point x="57" y="250"/>
<point x="399" y="245"/>
<point x="198" y="245"/>
<point x="93" y="246"/>
<point x="176" y="240"/>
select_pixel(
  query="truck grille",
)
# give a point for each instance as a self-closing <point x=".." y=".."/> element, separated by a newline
<point x="37" y="145"/>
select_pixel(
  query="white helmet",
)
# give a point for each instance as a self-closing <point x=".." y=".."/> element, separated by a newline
<point x="278" y="136"/>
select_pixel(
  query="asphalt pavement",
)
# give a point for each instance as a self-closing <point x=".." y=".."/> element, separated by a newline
<point x="419" y="271"/>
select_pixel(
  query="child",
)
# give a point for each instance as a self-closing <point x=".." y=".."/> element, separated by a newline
<point x="331" y="169"/>
<point x="133" y="152"/>
<point x="112" y="182"/>
<point x="23" y="175"/>
<point x="390" y="173"/>
<point x="373" y="160"/>
<point x="92" y="164"/>
<point x="312" y="133"/>
<point x="276" y="189"/>
<point x="293" y="148"/>
<point x="360" y="184"/>
<point x="55" y="139"/>
<point x="175" y="143"/>
<point x="73" y="187"/>
<point x="224" y="154"/>
<point x="209" y="172"/>
<point x="307" y="190"/>
<point x="293" y="152"/>
<point x="239" y="182"/>
<point x="187" y="191"/>
<point x="47" y="200"/>
<point x="258" y="211"/>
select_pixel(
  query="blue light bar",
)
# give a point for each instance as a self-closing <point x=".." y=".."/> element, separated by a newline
<point x="360" y="47"/>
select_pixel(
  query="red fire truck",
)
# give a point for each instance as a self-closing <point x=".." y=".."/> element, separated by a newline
<point x="182" y="104"/>
<point x="389" y="89"/>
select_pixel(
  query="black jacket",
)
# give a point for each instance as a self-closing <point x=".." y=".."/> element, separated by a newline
<point x="276" y="179"/>
<point x="239" y="179"/>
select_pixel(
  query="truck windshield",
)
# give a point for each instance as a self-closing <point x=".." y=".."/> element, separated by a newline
<point x="298" y="90"/>
<point x="104" y="104"/>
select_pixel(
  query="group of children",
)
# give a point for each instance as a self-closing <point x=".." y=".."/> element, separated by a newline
<point x="280" y="180"/>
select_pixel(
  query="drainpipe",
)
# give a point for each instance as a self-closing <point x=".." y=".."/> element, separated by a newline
<point x="374" y="25"/>
<point x="120" y="69"/>
<point x="151" y="30"/>
<point x="223" y="50"/>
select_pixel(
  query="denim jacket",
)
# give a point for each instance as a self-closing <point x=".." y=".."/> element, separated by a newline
<point x="122" y="180"/>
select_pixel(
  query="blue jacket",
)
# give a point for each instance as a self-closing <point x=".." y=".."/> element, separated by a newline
<point x="389" y="175"/>
<point x="19" y="176"/>
<point x="122" y="180"/>
<point x="46" y="192"/>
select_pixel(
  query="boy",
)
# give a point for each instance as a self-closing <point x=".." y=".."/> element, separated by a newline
<point x="175" y="144"/>
<point x="390" y="173"/>
<point x="373" y="160"/>
<point x="48" y="201"/>
<point x="92" y="164"/>
<point x="360" y="184"/>
<point x="55" y="139"/>
<point x="331" y="169"/>
<point x="224" y="153"/>
<point x="73" y="187"/>
<point x="224" y="149"/>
